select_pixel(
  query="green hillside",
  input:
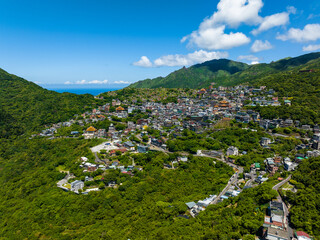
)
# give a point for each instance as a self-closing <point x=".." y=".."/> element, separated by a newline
<point x="223" y="72"/>
<point x="259" y="71"/>
<point x="146" y="206"/>
<point x="25" y="106"/>
<point x="305" y="210"/>
<point x="303" y="88"/>
<point x="150" y="204"/>
<point x="195" y="76"/>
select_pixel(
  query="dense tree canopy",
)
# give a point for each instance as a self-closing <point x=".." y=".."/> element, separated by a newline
<point x="24" y="106"/>
<point x="305" y="211"/>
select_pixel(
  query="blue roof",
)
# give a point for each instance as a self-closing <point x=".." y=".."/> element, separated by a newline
<point x="191" y="204"/>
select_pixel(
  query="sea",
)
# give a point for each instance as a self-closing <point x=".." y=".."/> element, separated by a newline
<point x="92" y="91"/>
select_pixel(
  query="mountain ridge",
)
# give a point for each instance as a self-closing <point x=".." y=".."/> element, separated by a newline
<point x="25" y="106"/>
<point x="223" y="72"/>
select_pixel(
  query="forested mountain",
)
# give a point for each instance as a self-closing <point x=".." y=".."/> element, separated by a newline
<point x="223" y="72"/>
<point x="26" y="106"/>
<point x="145" y="206"/>
<point x="300" y="84"/>
<point x="305" y="211"/>
<point x="151" y="203"/>
<point x="195" y="76"/>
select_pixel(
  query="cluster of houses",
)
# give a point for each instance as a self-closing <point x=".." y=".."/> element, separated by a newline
<point x="78" y="185"/>
<point x="196" y="208"/>
<point x="275" y="222"/>
<point x="194" y="113"/>
<point x="187" y="113"/>
<point x="283" y="123"/>
<point x="191" y="113"/>
<point x="91" y="167"/>
<point x="273" y="164"/>
<point x="276" y="226"/>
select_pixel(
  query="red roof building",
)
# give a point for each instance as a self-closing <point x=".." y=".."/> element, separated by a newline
<point x="300" y="235"/>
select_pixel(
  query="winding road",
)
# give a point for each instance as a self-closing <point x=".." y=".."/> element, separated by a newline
<point x="285" y="208"/>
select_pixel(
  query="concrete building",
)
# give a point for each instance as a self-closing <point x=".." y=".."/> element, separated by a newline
<point x="232" y="151"/>
<point x="77" y="185"/>
<point x="276" y="234"/>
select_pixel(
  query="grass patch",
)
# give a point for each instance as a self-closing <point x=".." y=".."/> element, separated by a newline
<point x="61" y="168"/>
<point x="67" y="185"/>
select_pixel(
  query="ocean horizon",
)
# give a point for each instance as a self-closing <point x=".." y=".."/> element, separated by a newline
<point x="79" y="91"/>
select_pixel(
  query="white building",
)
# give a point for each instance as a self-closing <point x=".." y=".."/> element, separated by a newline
<point x="76" y="186"/>
<point x="288" y="165"/>
<point x="183" y="159"/>
<point x="232" y="151"/>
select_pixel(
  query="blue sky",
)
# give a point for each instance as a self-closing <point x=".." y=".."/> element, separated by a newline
<point x="111" y="43"/>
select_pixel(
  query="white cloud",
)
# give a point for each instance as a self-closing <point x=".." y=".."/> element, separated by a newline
<point x="121" y="82"/>
<point x="185" y="38"/>
<point x="291" y="10"/>
<point x="189" y="59"/>
<point x="82" y="82"/>
<point x="274" y="20"/>
<point x="253" y="59"/>
<point x="235" y="12"/>
<point x="98" y="82"/>
<point x="215" y="38"/>
<point x="311" y="32"/>
<point x="143" y="62"/>
<point x="259" y="46"/>
<point x="211" y="33"/>
<point x="311" y="48"/>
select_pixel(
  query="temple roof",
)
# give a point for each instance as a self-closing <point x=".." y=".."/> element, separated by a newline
<point x="119" y="108"/>
<point x="91" y="129"/>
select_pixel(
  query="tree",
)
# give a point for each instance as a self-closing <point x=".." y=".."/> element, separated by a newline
<point x="145" y="138"/>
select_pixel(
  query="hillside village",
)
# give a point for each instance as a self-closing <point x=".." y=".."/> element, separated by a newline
<point x="204" y="110"/>
<point x="155" y="120"/>
<point x="201" y="111"/>
<point x="131" y="131"/>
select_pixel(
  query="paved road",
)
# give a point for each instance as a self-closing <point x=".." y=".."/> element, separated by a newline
<point x="98" y="160"/>
<point x="240" y="169"/>
<point x="248" y="183"/>
<point x="65" y="180"/>
<point x="286" y="136"/>
<point x="286" y="210"/>
<point x="276" y="187"/>
<point x="153" y="147"/>
<point x="232" y="180"/>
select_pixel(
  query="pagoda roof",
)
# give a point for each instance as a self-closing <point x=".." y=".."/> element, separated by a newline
<point x="91" y="129"/>
<point x="119" y="108"/>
